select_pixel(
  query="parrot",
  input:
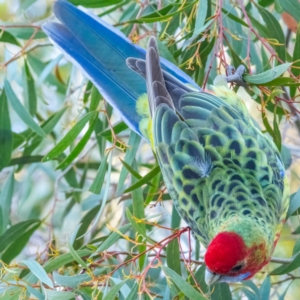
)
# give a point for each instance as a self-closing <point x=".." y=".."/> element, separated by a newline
<point x="226" y="178"/>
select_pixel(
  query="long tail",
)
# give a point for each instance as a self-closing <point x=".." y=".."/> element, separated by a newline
<point x="100" y="51"/>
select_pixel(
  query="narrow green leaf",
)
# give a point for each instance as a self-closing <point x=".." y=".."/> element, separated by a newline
<point x="71" y="281"/>
<point x="64" y="259"/>
<point x="274" y="132"/>
<point x="12" y="293"/>
<point x="233" y="17"/>
<point x="84" y="225"/>
<point x="296" y="58"/>
<point x="154" y="186"/>
<point x="130" y="169"/>
<point x="185" y="287"/>
<point x="114" y="8"/>
<point x="249" y="294"/>
<point x="114" y="291"/>
<point x="47" y="126"/>
<point x="69" y="137"/>
<point x="100" y="125"/>
<point x="99" y="179"/>
<point x="144" y="180"/>
<point x="283" y="81"/>
<point x="76" y="256"/>
<point x="6" y="37"/>
<point x="296" y="248"/>
<point x="277" y="133"/>
<point x="200" y="279"/>
<point x="287" y="268"/>
<point x="5" y="201"/>
<point x="25" y="32"/>
<point x="139" y="213"/>
<point x="292" y="7"/>
<point x="267" y="76"/>
<point x="265" y="60"/>
<point x="18" y="140"/>
<point x="221" y="291"/>
<point x="95" y="3"/>
<point x="294" y="203"/>
<point x="165" y="53"/>
<point x="265" y="288"/>
<point x="87" y="92"/>
<point x="134" y="141"/>
<point x="38" y="271"/>
<point x="35" y="292"/>
<point x="139" y="227"/>
<point x="201" y="14"/>
<point x="95" y="98"/>
<point x="58" y="295"/>
<point x="275" y="31"/>
<point x="235" y="57"/>
<point x="14" y="232"/>
<point x="6" y="137"/>
<point x="124" y="290"/>
<point x="21" y="111"/>
<point x="262" y="29"/>
<point x="105" y="193"/>
<point x="176" y="218"/>
<point x="79" y="147"/>
<point x="17" y="246"/>
<point x="197" y="32"/>
<point x="38" y="66"/>
<point x="72" y="181"/>
<point x="250" y="284"/>
<point x="173" y="256"/>
<point x="297" y="230"/>
<point x="133" y="293"/>
<point x="162" y="14"/>
<point x="286" y="156"/>
<point x="29" y="91"/>
<point x="112" y="238"/>
<point x="117" y="129"/>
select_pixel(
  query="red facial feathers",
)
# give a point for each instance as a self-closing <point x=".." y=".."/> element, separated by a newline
<point x="224" y="252"/>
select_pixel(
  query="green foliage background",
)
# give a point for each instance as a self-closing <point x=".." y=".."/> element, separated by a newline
<point x="84" y="213"/>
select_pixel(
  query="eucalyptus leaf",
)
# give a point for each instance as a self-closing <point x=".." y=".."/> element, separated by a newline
<point x="114" y="291"/>
<point x="69" y="137"/>
<point x="38" y="271"/>
<point x="185" y="287"/>
<point x="267" y="76"/>
<point x="6" y="201"/>
<point x="58" y="295"/>
<point x="21" y="111"/>
<point x="294" y="203"/>
<point x="113" y="238"/>
<point x="6" y="136"/>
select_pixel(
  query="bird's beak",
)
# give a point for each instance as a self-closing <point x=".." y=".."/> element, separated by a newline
<point x="210" y="277"/>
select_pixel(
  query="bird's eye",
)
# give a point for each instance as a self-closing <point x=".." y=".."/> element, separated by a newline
<point x="236" y="268"/>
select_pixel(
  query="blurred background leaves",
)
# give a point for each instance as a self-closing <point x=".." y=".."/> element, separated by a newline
<point x="84" y="213"/>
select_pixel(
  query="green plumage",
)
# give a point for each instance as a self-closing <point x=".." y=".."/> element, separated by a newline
<point x="222" y="173"/>
<point x="217" y="164"/>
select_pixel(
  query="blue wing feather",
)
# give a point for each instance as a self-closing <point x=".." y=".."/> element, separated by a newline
<point x="100" y="50"/>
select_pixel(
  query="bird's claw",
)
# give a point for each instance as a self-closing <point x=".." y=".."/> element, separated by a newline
<point x="236" y="76"/>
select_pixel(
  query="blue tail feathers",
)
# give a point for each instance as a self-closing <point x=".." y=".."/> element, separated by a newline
<point x="100" y="51"/>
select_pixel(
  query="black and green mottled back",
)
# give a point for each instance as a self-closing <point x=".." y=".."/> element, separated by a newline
<point x="217" y="164"/>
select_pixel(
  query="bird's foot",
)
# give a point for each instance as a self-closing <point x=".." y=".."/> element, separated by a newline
<point x="236" y="75"/>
